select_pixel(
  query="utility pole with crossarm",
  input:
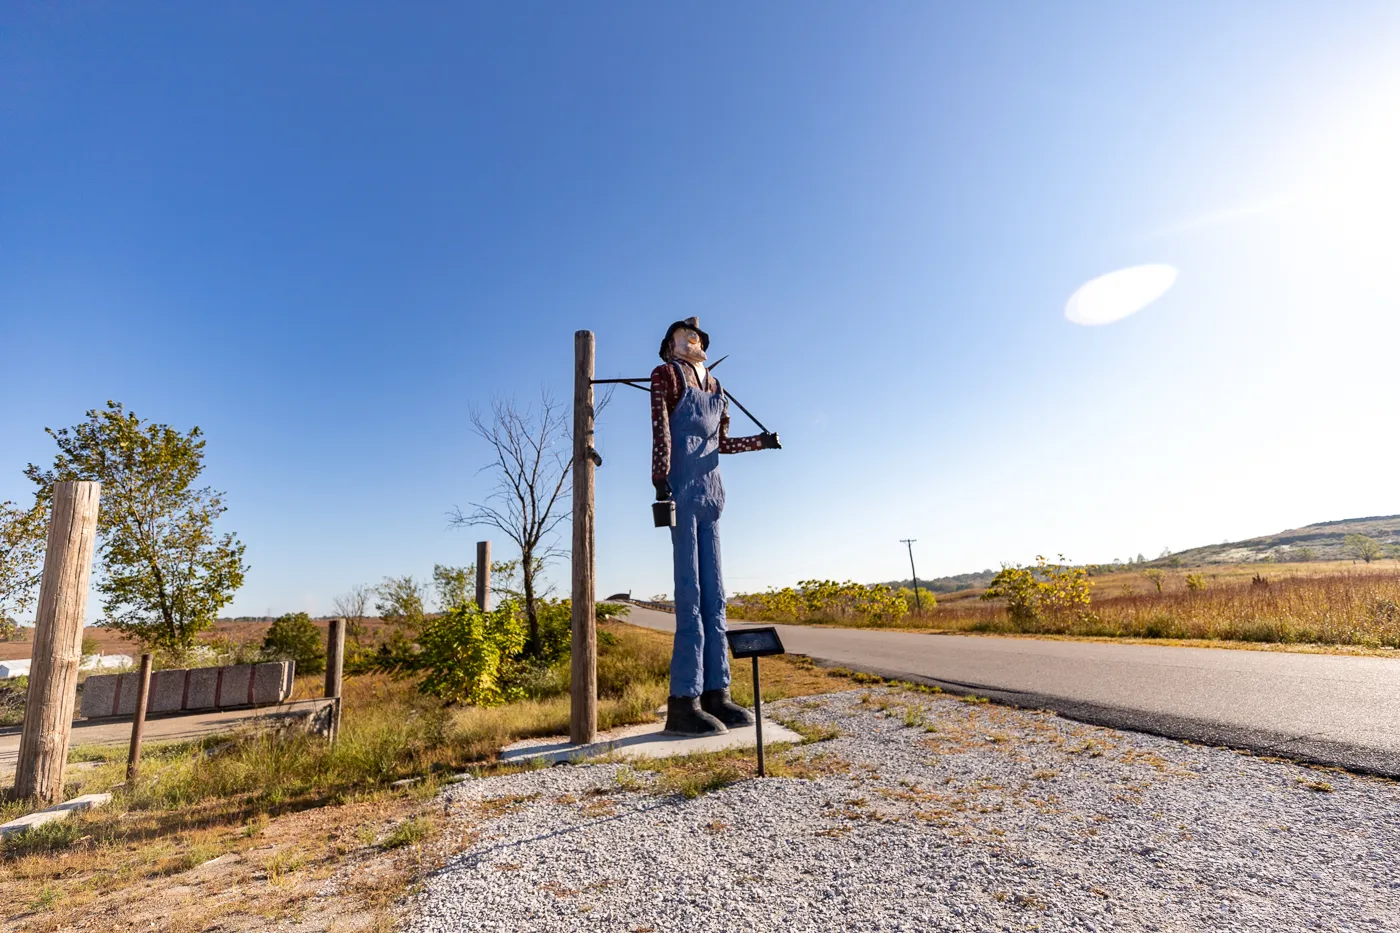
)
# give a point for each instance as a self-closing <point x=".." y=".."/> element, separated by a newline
<point x="918" y="604"/>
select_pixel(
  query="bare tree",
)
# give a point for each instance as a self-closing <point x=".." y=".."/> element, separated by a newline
<point x="532" y="466"/>
<point x="353" y="607"/>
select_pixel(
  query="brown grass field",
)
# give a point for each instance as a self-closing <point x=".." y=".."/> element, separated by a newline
<point x="1334" y="606"/>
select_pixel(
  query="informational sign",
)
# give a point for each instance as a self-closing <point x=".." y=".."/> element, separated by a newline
<point x="754" y="642"/>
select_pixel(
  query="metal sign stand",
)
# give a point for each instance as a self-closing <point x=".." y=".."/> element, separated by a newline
<point x="758" y="716"/>
<point x="756" y="643"/>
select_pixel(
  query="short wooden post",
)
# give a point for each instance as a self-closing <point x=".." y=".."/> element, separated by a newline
<point x="335" y="666"/>
<point x="58" y="633"/>
<point x="583" y="684"/>
<point x="483" y="575"/>
<point x="138" y="724"/>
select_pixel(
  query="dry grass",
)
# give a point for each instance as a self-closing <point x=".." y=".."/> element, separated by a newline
<point x="1329" y="607"/>
<point x="1360" y="608"/>
<point x="281" y="814"/>
<point x="693" y="775"/>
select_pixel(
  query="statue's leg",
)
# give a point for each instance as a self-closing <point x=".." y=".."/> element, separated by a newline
<point x="716" y="654"/>
<point x="686" y="650"/>
<point x="716" y="699"/>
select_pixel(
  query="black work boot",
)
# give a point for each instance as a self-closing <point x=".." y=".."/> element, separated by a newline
<point x="718" y="704"/>
<point x="685" y="717"/>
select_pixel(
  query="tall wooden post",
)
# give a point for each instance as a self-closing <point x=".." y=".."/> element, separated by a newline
<point x="335" y="666"/>
<point x="483" y="575"/>
<point x="583" y="683"/>
<point x="138" y="722"/>
<point x="58" y="633"/>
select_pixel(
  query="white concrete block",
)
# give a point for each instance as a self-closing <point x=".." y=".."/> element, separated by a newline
<point x="59" y="812"/>
<point x="645" y="741"/>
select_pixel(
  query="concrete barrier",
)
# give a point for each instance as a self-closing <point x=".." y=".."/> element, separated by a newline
<point x="167" y="692"/>
<point x="191" y="689"/>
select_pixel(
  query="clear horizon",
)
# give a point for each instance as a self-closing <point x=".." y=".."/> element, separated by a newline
<point x="324" y="234"/>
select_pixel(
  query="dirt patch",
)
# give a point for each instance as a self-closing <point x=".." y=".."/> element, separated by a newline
<point x="335" y="868"/>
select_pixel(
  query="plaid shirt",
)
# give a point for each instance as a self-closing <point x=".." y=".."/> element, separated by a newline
<point x="666" y="390"/>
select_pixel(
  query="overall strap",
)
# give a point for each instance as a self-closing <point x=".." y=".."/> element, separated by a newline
<point x="680" y="371"/>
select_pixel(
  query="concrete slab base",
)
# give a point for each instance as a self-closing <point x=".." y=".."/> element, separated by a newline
<point x="643" y="741"/>
<point x="52" y="814"/>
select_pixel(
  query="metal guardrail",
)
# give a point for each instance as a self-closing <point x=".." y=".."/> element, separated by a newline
<point x="647" y="604"/>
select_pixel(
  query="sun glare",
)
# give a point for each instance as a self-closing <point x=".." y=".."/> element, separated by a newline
<point x="1116" y="295"/>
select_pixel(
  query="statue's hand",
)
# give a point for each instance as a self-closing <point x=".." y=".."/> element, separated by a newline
<point x="771" y="442"/>
<point x="663" y="490"/>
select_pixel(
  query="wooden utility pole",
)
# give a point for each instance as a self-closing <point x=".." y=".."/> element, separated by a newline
<point x="335" y="665"/>
<point x="138" y="722"/>
<point x="58" y="634"/>
<point x="909" y="542"/>
<point x="483" y="575"/>
<point x="583" y="683"/>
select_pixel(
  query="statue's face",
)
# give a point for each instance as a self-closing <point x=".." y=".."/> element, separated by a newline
<point x="685" y="345"/>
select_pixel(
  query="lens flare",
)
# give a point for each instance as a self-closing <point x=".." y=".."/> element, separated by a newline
<point x="1116" y="295"/>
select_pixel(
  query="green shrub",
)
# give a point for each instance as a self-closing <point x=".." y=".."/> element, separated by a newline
<point x="467" y="655"/>
<point x="294" y="637"/>
<point x="1059" y="591"/>
<point x="827" y="601"/>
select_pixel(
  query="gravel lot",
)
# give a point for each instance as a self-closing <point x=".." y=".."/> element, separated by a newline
<point x="949" y="815"/>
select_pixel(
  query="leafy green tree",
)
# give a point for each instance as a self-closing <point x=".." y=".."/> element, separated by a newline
<point x="1155" y="577"/>
<point x="399" y="601"/>
<point x="456" y="586"/>
<point x="1363" y="547"/>
<point x="294" y="637"/>
<point x="21" y="556"/>
<point x="164" y="572"/>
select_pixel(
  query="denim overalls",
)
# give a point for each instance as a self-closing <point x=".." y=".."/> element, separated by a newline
<point x="700" y="656"/>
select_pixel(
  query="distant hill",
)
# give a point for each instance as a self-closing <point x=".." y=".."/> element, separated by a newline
<point x="962" y="581"/>
<point x="1323" y="541"/>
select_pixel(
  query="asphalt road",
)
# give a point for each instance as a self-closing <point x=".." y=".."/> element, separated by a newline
<point x="1325" y="709"/>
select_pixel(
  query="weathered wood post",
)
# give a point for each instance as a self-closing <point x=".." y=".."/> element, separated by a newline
<point x="138" y="722"/>
<point x="58" y="633"/>
<point x="335" y="666"/>
<point x="483" y="575"/>
<point x="583" y="683"/>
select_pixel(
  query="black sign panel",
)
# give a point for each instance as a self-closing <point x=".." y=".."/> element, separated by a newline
<point x="754" y="642"/>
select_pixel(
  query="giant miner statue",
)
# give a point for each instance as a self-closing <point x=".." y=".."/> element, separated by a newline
<point x="690" y="429"/>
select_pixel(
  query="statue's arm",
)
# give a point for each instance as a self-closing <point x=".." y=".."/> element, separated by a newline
<point x="661" y="379"/>
<point x="739" y="445"/>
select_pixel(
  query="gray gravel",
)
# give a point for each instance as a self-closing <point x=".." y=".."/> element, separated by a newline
<point x="947" y="816"/>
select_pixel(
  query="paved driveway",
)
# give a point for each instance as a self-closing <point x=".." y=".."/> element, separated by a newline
<point x="1327" y="709"/>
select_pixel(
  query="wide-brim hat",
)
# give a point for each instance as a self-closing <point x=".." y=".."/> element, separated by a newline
<point x="690" y="323"/>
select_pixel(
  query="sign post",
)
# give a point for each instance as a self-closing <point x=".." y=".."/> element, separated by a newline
<point x="755" y="643"/>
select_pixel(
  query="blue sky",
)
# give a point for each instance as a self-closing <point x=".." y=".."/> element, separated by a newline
<point x="323" y="232"/>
